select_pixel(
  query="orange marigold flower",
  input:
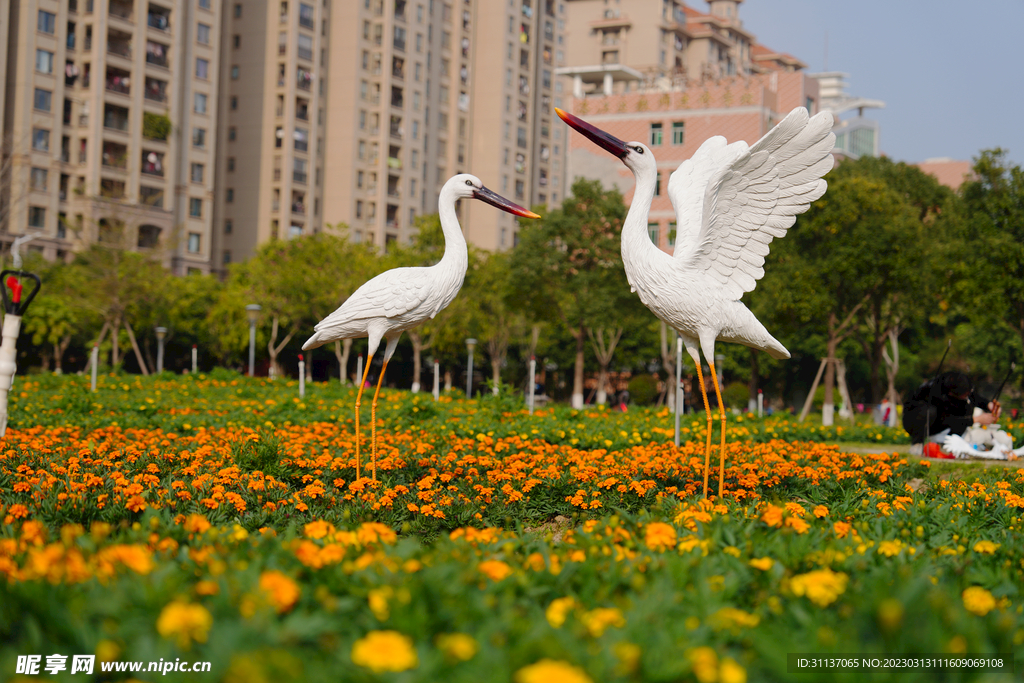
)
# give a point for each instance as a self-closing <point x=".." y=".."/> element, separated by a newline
<point x="496" y="570"/>
<point x="184" y="623"/>
<point x="820" y="511"/>
<point x="382" y="651"/>
<point x="282" y="591"/>
<point x="196" y="524"/>
<point x="659" y="536"/>
<point x="772" y="516"/>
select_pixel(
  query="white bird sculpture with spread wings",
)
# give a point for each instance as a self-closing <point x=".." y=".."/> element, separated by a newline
<point x="730" y="202"/>
<point x="403" y="298"/>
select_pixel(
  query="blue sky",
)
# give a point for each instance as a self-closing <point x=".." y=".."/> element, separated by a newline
<point x="951" y="74"/>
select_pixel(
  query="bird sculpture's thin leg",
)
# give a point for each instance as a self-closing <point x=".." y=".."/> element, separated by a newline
<point x="373" y="420"/>
<point x="707" y="410"/>
<point x="359" y="398"/>
<point x="721" y="408"/>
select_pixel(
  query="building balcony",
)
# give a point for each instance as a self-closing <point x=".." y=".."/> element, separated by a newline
<point x="120" y="48"/>
<point x="121" y="10"/>
<point x="158" y="19"/>
<point x="156" y="54"/>
<point x="299" y="208"/>
<point x="299" y="177"/>
<point x="156" y="90"/>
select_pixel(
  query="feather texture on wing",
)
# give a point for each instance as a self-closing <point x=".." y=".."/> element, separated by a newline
<point x="744" y="198"/>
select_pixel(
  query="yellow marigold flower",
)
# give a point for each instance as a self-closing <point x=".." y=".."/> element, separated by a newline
<point x="496" y="570"/>
<point x="282" y="591"/>
<point x="370" y="532"/>
<point x="207" y="588"/>
<point x="107" y="651"/>
<point x="772" y="516"/>
<point x="660" y="536"/>
<point x="731" y="550"/>
<point x="730" y="617"/>
<point x="196" y="524"/>
<point x="378" y="599"/>
<point x="457" y="646"/>
<point x="986" y="547"/>
<point x="558" y="610"/>
<point x="184" y="623"/>
<point x="385" y="651"/>
<point x="551" y="671"/>
<point x="598" y="620"/>
<point x="978" y="601"/>
<point x="628" y="655"/>
<point x="889" y="548"/>
<point x="731" y="672"/>
<point x="762" y="563"/>
<point x="705" y="664"/>
<point x="318" y="529"/>
<point x="822" y="587"/>
<point x="820" y="511"/>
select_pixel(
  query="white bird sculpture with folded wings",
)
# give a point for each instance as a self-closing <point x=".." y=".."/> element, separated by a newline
<point x="403" y="298"/>
<point x="730" y="202"/>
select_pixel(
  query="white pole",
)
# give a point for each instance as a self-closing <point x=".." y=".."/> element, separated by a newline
<point x="302" y="377"/>
<point x="533" y="383"/>
<point x="359" y="371"/>
<point x="195" y="359"/>
<point x="679" y="383"/>
<point x="760" y="403"/>
<point x="95" y="362"/>
<point x="8" y="366"/>
<point x="437" y="380"/>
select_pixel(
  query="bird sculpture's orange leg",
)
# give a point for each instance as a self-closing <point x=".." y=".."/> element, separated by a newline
<point x="359" y="398"/>
<point x="707" y="410"/>
<point x="721" y="408"/>
<point x="373" y="420"/>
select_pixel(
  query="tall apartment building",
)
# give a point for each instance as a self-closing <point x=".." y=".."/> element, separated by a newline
<point x="108" y="125"/>
<point x="419" y="90"/>
<point x="667" y="75"/>
<point x="270" y="162"/>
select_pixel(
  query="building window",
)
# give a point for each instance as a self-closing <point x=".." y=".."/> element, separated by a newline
<point x="359" y="208"/>
<point x="41" y="139"/>
<point x="47" y="22"/>
<point x="234" y="72"/>
<point x="305" y="15"/>
<point x="193" y="242"/>
<point x="238" y="10"/>
<point x="197" y="173"/>
<point x="202" y="68"/>
<point x="200" y="103"/>
<point x="230" y="195"/>
<point x="231" y="164"/>
<point x="42" y="100"/>
<point x="227" y="256"/>
<point x="678" y="130"/>
<point x="44" y="61"/>
<point x="237" y="41"/>
<point x="204" y="4"/>
<point x="38" y="179"/>
<point x="652" y="230"/>
<point x="229" y="226"/>
<point x="199" y="137"/>
<point x="655" y="134"/>
<point x="195" y="207"/>
<point x="203" y="34"/>
<point x="672" y="234"/>
<point x="232" y="133"/>
<point x="36" y="217"/>
<point x="657" y="184"/>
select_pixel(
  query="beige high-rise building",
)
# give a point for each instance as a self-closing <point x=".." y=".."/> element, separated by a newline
<point x="270" y="168"/>
<point x="419" y="90"/>
<point x="109" y="125"/>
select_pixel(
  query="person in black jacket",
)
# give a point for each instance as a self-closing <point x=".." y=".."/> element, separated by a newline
<point x="946" y="403"/>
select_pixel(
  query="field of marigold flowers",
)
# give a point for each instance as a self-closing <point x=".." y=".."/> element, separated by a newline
<point x="218" y="519"/>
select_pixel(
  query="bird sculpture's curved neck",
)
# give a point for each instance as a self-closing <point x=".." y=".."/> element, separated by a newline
<point x="636" y="243"/>
<point x="454" y="241"/>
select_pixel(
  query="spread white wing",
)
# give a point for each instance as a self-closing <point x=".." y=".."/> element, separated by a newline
<point x="744" y="198"/>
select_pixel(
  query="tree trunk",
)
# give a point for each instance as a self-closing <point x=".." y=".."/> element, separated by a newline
<point x="604" y="350"/>
<point x="495" y="375"/>
<point x="342" y="357"/>
<point x="577" y="379"/>
<point x="417" y="359"/>
<point x="447" y="380"/>
<point x="115" y="333"/>
<point x="135" y="347"/>
<point x="497" y="348"/>
<point x="892" y="367"/>
<point x="752" y="385"/>
<point x="828" y="405"/>
<point x="274" y="349"/>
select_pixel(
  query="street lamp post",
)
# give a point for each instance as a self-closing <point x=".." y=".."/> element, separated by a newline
<point x="253" y="313"/>
<point x="470" y="345"/>
<point x="161" y="334"/>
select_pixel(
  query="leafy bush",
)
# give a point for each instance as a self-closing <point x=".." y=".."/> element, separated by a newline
<point x="643" y="389"/>
<point x="156" y="126"/>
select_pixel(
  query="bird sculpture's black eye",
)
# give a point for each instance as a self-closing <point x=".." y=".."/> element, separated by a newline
<point x="469" y="182"/>
<point x="639" y="149"/>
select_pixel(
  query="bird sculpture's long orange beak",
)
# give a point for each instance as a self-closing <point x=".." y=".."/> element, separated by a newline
<point x="495" y="199"/>
<point x="605" y="141"/>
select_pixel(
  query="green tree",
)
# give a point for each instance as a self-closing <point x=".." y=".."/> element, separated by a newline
<point x="568" y="268"/>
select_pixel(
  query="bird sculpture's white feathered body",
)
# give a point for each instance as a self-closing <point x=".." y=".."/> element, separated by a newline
<point x="731" y="201"/>
<point x="403" y="298"/>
